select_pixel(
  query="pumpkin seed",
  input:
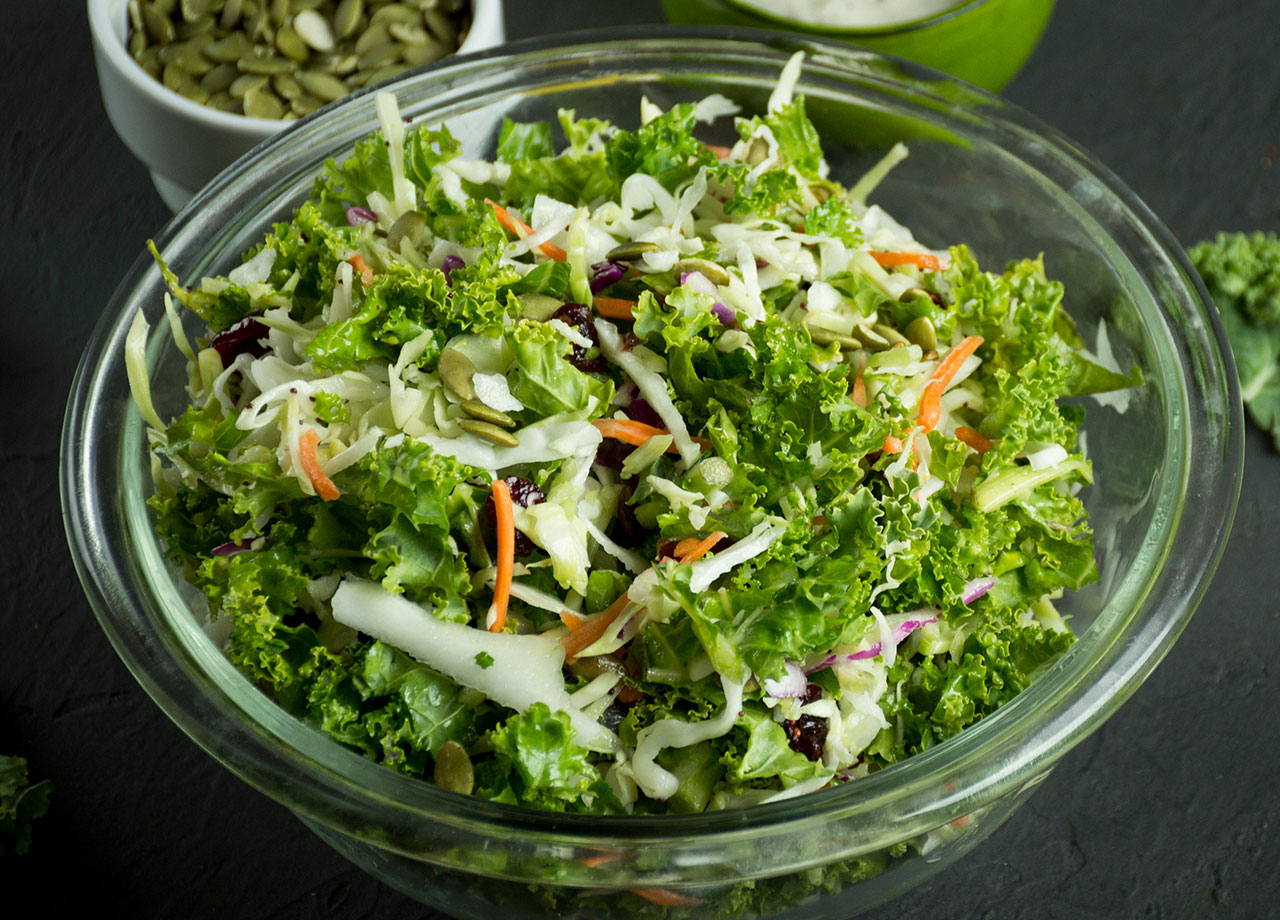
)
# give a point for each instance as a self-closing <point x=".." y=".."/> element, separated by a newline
<point x="136" y="24"/>
<point x="172" y="75"/>
<point x="194" y="9"/>
<point x="410" y="225"/>
<point x="337" y="64"/>
<point x="823" y="336"/>
<point x="538" y="307"/>
<point x="395" y="12"/>
<point x="453" y="770"/>
<point x="893" y="336"/>
<point x="186" y="57"/>
<point x="291" y="45"/>
<point x="137" y="44"/>
<point x="322" y="85"/>
<point x="421" y="55"/>
<point x="262" y="103"/>
<point x="262" y="61"/>
<point x="872" y="340"/>
<point x="228" y="49"/>
<point x="230" y="14"/>
<point x="489" y="432"/>
<point x="224" y="102"/>
<point x="190" y="89"/>
<point x="286" y="86"/>
<point x="631" y="252"/>
<point x="456" y="370"/>
<point x="485" y="413"/>
<point x="347" y="18"/>
<point x="246" y="83"/>
<point x="314" y="30"/>
<point x="920" y="330"/>
<point x="279" y="11"/>
<point x="708" y="269"/>
<point x="304" y="104"/>
<point x="408" y="34"/>
<point x="158" y="25"/>
<point x="380" y="56"/>
<point x="219" y="78"/>
<point x="165" y="7"/>
<point x="370" y="37"/>
<point x="442" y="26"/>
<point x="185" y="31"/>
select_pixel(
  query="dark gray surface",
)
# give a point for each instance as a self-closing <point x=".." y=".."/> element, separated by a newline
<point x="1171" y="810"/>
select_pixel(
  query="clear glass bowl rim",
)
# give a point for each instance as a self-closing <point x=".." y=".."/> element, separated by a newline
<point x="313" y="775"/>
<point x="782" y="21"/>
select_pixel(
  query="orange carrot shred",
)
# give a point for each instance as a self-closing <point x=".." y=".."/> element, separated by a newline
<point x="362" y="267"/>
<point x="630" y="431"/>
<point x="515" y="225"/>
<point x="859" y="392"/>
<point x="720" y="150"/>
<point x="892" y="445"/>
<point x="614" y="307"/>
<point x="592" y="629"/>
<point x="931" y="399"/>
<point x="571" y="619"/>
<point x="506" y="527"/>
<point x="311" y="465"/>
<point x="699" y="548"/>
<point x="666" y="897"/>
<point x="974" y="438"/>
<point x="922" y="260"/>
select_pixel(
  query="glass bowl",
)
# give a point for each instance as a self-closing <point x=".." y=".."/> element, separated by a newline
<point x="1167" y="479"/>
<point x="985" y="42"/>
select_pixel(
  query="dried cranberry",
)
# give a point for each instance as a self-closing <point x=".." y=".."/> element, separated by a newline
<point x="523" y="493"/>
<point x="641" y="411"/>
<point x="611" y="453"/>
<point x="579" y="317"/>
<point x="812" y="693"/>
<point x="241" y="337"/>
<point x="806" y="735"/>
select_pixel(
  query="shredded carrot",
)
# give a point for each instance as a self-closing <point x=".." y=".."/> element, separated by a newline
<point x="311" y="465"/>
<point x="506" y="526"/>
<point x="360" y="265"/>
<point x="931" y="399"/>
<point x="666" y="897"/>
<point x="571" y="619"/>
<point x="515" y="225"/>
<point x="859" y="392"/>
<point x="975" y="439"/>
<point x="601" y="859"/>
<point x="892" y="445"/>
<point x="592" y="629"/>
<point x="630" y="431"/>
<point x="922" y="260"/>
<point x="720" y="150"/>
<point x="691" y="548"/>
<point x="614" y="307"/>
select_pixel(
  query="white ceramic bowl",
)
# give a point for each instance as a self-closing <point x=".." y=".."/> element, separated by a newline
<point x="184" y="144"/>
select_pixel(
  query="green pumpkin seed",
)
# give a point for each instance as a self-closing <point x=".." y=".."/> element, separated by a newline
<point x="185" y="31"/>
<point x="408" y="34"/>
<point x="485" y="413"/>
<point x="186" y="57"/>
<point x="322" y="85"/>
<point x="893" y="336"/>
<point x="158" y="25"/>
<point x="489" y="432"/>
<point x="246" y="83"/>
<point x="291" y="45"/>
<point x="382" y="74"/>
<point x="219" y="79"/>
<point x="347" y="18"/>
<point x="380" y="56"/>
<point x="539" y="307"/>
<point x="262" y="61"/>
<point x="340" y="65"/>
<point x="395" y="12"/>
<point x="453" y="770"/>
<point x="286" y="86"/>
<point x="631" y="252"/>
<point x="872" y="340"/>
<point x="305" y="104"/>
<point x="262" y="103"/>
<point x="279" y="11"/>
<point x="230" y="14"/>
<point x="172" y="76"/>
<point x="457" y="371"/>
<point x="228" y="49"/>
<point x="189" y="89"/>
<point x="314" y="30"/>
<point x="421" y="55"/>
<point x="442" y="27"/>
<point x="708" y="269"/>
<point x="920" y="331"/>
<point x="194" y="9"/>
<point x="371" y="38"/>
<point x="823" y="336"/>
<point x="137" y="44"/>
<point x="410" y="225"/>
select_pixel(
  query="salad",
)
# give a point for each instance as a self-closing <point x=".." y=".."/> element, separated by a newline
<point x="637" y="476"/>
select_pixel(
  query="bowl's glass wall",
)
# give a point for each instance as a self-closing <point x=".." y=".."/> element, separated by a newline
<point x="977" y="173"/>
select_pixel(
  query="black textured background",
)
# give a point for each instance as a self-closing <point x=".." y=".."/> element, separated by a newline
<point x="1171" y="810"/>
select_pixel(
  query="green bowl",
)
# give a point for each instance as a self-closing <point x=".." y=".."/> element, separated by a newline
<point x="984" y="42"/>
